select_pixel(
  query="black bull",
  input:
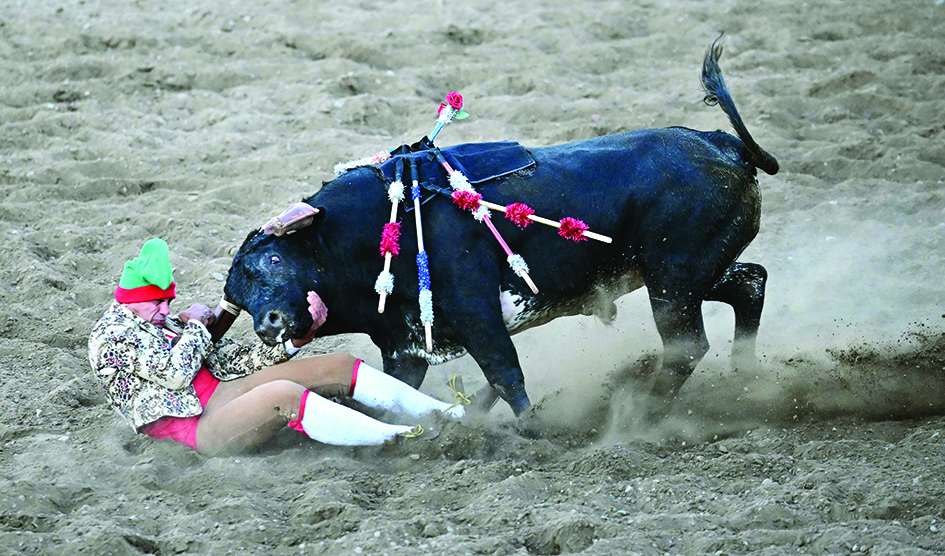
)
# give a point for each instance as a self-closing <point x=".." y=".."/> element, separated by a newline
<point x="680" y="206"/>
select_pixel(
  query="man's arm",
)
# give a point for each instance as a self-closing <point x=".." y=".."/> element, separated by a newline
<point x="123" y="349"/>
<point x="224" y="317"/>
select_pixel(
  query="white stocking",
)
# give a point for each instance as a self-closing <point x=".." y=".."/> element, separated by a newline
<point x="379" y="390"/>
<point x="331" y="423"/>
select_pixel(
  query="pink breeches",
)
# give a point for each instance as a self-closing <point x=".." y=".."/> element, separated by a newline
<point x="184" y="429"/>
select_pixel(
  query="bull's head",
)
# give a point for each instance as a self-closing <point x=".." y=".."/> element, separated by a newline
<point x="273" y="271"/>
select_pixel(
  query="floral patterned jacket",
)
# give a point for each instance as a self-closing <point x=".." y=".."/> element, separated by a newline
<point x="146" y="378"/>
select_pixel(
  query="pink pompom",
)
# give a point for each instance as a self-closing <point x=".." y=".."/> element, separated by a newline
<point x="573" y="229"/>
<point x="467" y="200"/>
<point x="519" y="213"/>
<point x="390" y="239"/>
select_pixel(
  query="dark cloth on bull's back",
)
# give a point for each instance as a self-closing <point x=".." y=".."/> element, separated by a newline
<point x="479" y="162"/>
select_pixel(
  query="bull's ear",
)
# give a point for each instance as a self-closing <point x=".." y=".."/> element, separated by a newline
<point x="296" y="217"/>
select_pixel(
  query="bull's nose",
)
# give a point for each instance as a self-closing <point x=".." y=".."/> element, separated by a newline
<point x="274" y="319"/>
<point x="271" y="325"/>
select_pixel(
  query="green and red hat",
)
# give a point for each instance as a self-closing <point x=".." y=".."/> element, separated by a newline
<point x="148" y="276"/>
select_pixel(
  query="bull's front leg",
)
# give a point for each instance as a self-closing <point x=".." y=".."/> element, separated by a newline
<point x="471" y="306"/>
<point x="483" y="333"/>
<point x="488" y="342"/>
<point x="492" y="348"/>
<point x="499" y="363"/>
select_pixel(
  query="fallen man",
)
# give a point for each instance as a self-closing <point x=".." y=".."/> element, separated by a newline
<point x="170" y="379"/>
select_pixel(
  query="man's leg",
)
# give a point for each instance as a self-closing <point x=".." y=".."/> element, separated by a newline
<point x="246" y="421"/>
<point x="376" y="389"/>
<point x="249" y="420"/>
<point x="340" y="374"/>
<point x="245" y="412"/>
<point x="328" y="375"/>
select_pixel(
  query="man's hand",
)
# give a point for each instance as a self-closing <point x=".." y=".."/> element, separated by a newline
<point x="319" y="312"/>
<point x="199" y="313"/>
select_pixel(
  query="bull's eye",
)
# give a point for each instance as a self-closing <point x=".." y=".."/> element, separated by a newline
<point x="275" y="259"/>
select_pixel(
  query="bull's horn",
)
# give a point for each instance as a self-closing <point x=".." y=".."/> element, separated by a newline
<point x="295" y="217"/>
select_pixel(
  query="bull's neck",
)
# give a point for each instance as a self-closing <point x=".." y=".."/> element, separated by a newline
<point x="348" y="259"/>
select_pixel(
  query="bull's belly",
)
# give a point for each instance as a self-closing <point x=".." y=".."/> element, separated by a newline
<point x="523" y="312"/>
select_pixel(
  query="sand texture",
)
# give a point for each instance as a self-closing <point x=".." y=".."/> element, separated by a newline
<point x="196" y="121"/>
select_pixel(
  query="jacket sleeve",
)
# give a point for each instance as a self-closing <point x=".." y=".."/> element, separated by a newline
<point x="230" y="359"/>
<point x="171" y="367"/>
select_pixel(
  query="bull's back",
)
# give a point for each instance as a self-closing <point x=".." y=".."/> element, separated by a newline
<point x="642" y="159"/>
<point x="661" y="189"/>
<point x="610" y="182"/>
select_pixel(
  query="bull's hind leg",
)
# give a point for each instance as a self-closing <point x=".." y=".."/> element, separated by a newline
<point x="743" y="287"/>
<point x="680" y="325"/>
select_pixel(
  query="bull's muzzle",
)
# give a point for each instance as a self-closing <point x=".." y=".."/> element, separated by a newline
<point x="271" y="327"/>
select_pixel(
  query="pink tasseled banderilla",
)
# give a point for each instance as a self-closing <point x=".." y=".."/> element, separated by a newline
<point x="465" y="195"/>
<point x="390" y="247"/>
<point x="523" y="215"/>
<point x="390" y="241"/>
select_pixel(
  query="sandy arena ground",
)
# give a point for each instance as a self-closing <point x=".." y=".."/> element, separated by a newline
<point x="196" y="121"/>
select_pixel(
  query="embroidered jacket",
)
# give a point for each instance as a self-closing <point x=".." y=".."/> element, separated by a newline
<point x="146" y="378"/>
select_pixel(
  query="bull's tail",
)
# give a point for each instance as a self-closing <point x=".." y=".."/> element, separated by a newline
<point x="717" y="93"/>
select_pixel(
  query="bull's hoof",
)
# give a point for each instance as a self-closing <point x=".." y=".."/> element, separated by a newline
<point x="657" y="409"/>
<point x="653" y="419"/>
<point x="745" y="363"/>
<point x="518" y="401"/>
<point x="529" y="426"/>
<point x="484" y="400"/>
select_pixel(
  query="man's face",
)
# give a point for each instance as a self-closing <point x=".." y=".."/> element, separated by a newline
<point x="154" y="312"/>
